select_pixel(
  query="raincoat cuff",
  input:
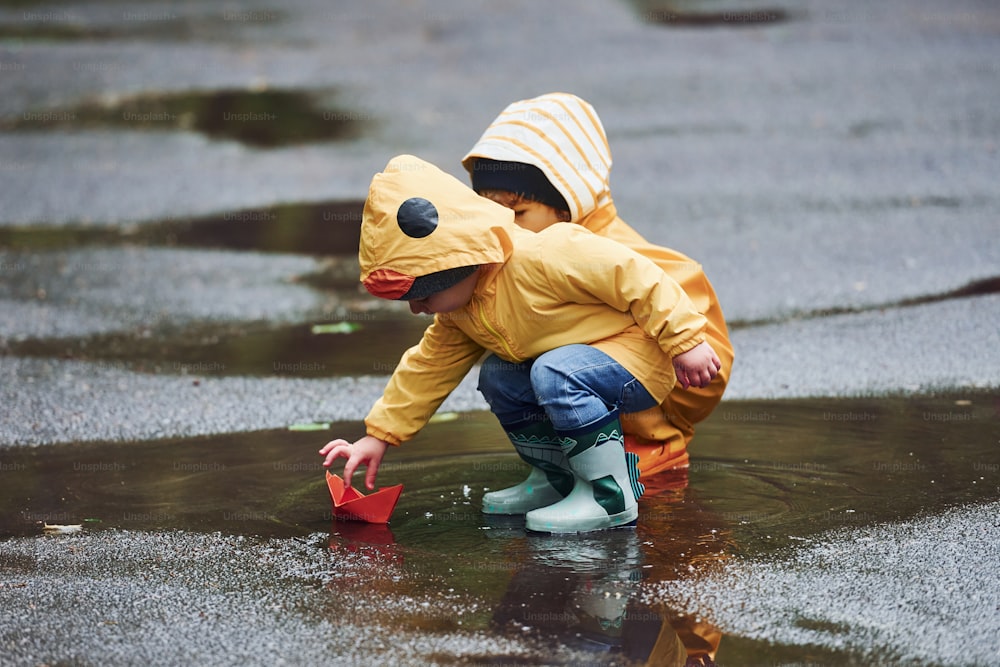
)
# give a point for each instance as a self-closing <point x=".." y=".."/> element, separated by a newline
<point x="376" y="432"/>
<point x="687" y="345"/>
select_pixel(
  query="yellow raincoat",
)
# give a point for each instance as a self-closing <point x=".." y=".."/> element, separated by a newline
<point x="562" y="135"/>
<point x="536" y="292"/>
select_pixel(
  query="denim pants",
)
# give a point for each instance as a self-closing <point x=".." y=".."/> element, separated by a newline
<point x="571" y="386"/>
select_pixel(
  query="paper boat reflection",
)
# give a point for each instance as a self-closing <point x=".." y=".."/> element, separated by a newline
<point x="349" y="503"/>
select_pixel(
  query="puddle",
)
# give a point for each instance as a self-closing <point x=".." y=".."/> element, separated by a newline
<point x="320" y="228"/>
<point x="707" y="13"/>
<point x="365" y="343"/>
<point x="765" y="477"/>
<point x="314" y="228"/>
<point x="267" y="483"/>
<point x="55" y="22"/>
<point x="974" y="288"/>
<point x="257" y="118"/>
<point x="783" y="471"/>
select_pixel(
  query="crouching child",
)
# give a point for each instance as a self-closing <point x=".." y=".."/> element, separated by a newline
<point x="579" y="330"/>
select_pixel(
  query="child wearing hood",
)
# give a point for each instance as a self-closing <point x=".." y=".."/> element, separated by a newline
<point x="581" y="330"/>
<point x="548" y="159"/>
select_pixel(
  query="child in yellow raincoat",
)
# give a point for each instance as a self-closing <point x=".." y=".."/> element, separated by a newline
<point x="581" y="329"/>
<point x="548" y="159"/>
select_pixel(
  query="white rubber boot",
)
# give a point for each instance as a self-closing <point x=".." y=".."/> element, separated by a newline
<point x="532" y="493"/>
<point x="549" y="481"/>
<point x="606" y="488"/>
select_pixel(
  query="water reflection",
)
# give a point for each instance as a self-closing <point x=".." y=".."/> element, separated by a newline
<point x="372" y="539"/>
<point x="580" y="592"/>
<point x="584" y="591"/>
<point x="577" y="594"/>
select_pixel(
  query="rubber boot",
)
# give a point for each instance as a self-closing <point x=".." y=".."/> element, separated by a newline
<point x="606" y="488"/>
<point x="549" y="481"/>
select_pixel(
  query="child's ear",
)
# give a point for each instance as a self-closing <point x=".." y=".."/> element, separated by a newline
<point x="563" y="216"/>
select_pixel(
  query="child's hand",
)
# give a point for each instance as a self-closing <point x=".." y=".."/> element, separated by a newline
<point x="368" y="450"/>
<point x="697" y="366"/>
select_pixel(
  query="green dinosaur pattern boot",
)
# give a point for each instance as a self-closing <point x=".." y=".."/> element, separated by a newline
<point x="550" y="479"/>
<point x="607" y="483"/>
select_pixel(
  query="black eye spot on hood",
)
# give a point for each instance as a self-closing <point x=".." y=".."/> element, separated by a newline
<point x="417" y="217"/>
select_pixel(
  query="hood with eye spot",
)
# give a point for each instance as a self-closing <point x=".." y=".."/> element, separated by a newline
<point x="419" y="220"/>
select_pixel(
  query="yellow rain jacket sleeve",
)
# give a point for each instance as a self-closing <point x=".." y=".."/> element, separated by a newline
<point x="426" y="374"/>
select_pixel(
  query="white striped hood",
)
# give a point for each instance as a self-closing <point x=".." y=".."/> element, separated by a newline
<point x="560" y="134"/>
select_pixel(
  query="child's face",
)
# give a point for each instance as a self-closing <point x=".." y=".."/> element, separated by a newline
<point x="531" y="215"/>
<point x="534" y="216"/>
<point x="447" y="300"/>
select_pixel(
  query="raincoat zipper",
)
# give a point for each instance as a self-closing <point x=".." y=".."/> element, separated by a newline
<point x="493" y="332"/>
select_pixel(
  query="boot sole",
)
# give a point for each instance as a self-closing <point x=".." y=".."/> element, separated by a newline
<point x="626" y="519"/>
<point x="516" y="509"/>
<point x="502" y="510"/>
<point x="494" y="510"/>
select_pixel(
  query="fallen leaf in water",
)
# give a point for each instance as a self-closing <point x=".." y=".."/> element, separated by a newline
<point x="60" y="528"/>
<point x="310" y="426"/>
<point x="336" y="328"/>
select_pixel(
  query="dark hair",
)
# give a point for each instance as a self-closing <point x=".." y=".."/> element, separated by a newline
<point x="520" y="178"/>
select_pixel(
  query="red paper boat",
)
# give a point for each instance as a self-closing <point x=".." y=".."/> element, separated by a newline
<point x="349" y="503"/>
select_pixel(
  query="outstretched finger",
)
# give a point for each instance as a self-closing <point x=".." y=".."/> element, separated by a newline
<point x="335" y="450"/>
<point x="371" y="473"/>
<point x="353" y="461"/>
<point x="330" y="445"/>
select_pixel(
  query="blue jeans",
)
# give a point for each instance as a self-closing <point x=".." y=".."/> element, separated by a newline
<point x="571" y="386"/>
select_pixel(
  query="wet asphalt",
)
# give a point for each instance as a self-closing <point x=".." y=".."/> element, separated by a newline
<point x="835" y="173"/>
